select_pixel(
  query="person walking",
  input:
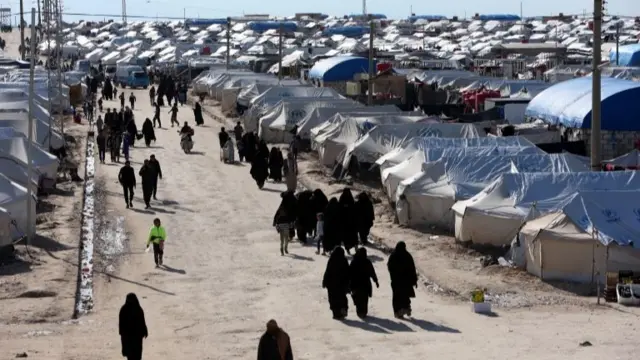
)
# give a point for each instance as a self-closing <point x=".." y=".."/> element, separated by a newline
<point x="101" y="141"/>
<point x="174" y="115"/>
<point x="238" y="131"/>
<point x="127" y="178"/>
<point x="157" y="172"/>
<point x="147" y="175"/>
<point x="121" y="97"/>
<point x="132" y="328"/>
<point x="157" y="237"/>
<point x="404" y="278"/>
<point x="156" y="116"/>
<point x="283" y="222"/>
<point x="336" y="281"/>
<point x="152" y="95"/>
<point x="132" y="101"/>
<point x="361" y="272"/>
<point x="291" y="173"/>
<point x="274" y="344"/>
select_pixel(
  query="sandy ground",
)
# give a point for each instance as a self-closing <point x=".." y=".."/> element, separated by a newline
<point x="226" y="278"/>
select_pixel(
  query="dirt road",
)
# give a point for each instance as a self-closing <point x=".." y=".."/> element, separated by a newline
<point x="226" y="278"/>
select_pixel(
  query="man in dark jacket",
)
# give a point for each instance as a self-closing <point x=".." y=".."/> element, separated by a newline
<point x="157" y="171"/>
<point x="101" y="141"/>
<point x="148" y="176"/>
<point x="127" y="178"/>
<point x="274" y="344"/>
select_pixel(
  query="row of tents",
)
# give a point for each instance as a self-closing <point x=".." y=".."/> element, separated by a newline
<point x="15" y="179"/>
<point x="561" y="220"/>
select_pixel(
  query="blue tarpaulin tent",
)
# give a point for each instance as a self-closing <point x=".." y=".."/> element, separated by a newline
<point x="629" y="55"/>
<point x="569" y="104"/>
<point x="205" y="22"/>
<point x="498" y="17"/>
<point x="426" y="17"/>
<point x="373" y="16"/>
<point x="262" y="26"/>
<point x="339" y="68"/>
<point x="348" y="31"/>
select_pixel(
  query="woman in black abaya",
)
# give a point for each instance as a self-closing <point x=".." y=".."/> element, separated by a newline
<point x="133" y="328"/>
<point x="404" y="278"/>
<point x="305" y="221"/>
<point x="361" y="273"/>
<point x="259" y="170"/>
<point x="197" y="113"/>
<point x="263" y="149"/>
<point x="349" y="232"/>
<point x="332" y="225"/>
<point x="336" y="281"/>
<point x="132" y="129"/>
<point x="275" y="165"/>
<point x="148" y="132"/>
<point x="364" y="216"/>
<point x="319" y="203"/>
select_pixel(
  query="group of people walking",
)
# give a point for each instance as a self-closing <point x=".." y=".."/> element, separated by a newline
<point x="341" y="278"/>
<point x="150" y="172"/>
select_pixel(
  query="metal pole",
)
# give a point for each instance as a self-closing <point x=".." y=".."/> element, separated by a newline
<point x="30" y="189"/>
<point x="596" y="156"/>
<point x="22" y="52"/>
<point x="371" y="66"/>
<point x="618" y="44"/>
<point x="280" y="39"/>
<point x="39" y="16"/>
<point x="47" y="29"/>
<point x="59" y="47"/>
<point x="228" y="36"/>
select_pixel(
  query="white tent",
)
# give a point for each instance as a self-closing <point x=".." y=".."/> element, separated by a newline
<point x="15" y="115"/>
<point x="13" y="199"/>
<point x="409" y="149"/>
<point x="7" y="236"/>
<point x="432" y="192"/>
<point x="250" y="92"/>
<point x="43" y="161"/>
<point x="340" y="132"/>
<point x="594" y="232"/>
<point x="17" y="170"/>
<point x="385" y="138"/>
<point x="321" y="115"/>
<point x="495" y="215"/>
<point x="275" y="125"/>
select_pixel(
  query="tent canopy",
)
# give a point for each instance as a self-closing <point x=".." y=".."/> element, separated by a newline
<point x="569" y="104"/>
<point x="627" y="55"/>
<point x="339" y="68"/>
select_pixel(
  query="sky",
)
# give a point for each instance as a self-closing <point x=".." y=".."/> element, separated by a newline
<point x="392" y="9"/>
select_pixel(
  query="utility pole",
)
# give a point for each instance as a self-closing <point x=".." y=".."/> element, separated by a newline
<point x="371" y="66"/>
<point x="39" y="16"/>
<point x="595" y="91"/>
<point x="124" y="12"/>
<point x="521" y="17"/>
<point x="618" y="44"/>
<point x="32" y="67"/>
<point x="58" y="27"/>
<point x="22" y="51"/>
<point x="280" y="39"/>
<point x="364" y="8"/>
<point x="228" y="36"/>
<point x="47" y="29"/>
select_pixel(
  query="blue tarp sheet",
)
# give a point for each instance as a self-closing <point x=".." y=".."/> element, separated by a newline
<point x="262" y="26"/>
<point x="348" y="31"/>
<point x="426" y="17"/>
<point x="498" y="17"/>
<point x="339" y="68"/>
<point x="569" y="104"/>
<point x="629" y="55"/>
<point x="374" y="16"/>
<point x="205" y="22"/>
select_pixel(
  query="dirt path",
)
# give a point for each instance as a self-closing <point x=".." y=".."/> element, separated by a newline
<point x="227" y="278"/>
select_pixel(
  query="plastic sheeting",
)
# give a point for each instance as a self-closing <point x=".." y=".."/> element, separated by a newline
<point x="432" y="192"/>
<point x="275" y="125"/>
<point x="384" y="138"/>
<point x="43" y="161"/>
<point x="495" y="215"/>
<point x="398" y="155"/>
<point x="569" y="104"/>
<point x="339" y="68"/>
<point x="627" y="55"/>
<point x="13" y="199"/>
<point x="15" y="115"/>
<point x="321" y="115"/>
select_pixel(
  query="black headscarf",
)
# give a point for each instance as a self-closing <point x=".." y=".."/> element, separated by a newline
<point x="319" y="200"/>
<point x="364" y="211"/>
<point x="132" y="323"/>
<point x="346" y="198"/>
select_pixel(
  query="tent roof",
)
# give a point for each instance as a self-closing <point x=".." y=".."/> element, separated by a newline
<point x="339" y="68"/>
<point x="629" y="55"/>
<point x="569" y="104"/>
